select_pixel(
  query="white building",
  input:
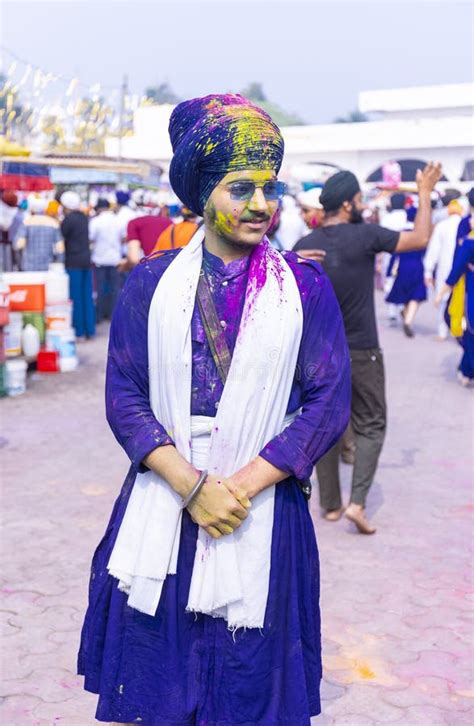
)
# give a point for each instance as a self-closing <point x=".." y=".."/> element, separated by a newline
<point x="423" y="123"/>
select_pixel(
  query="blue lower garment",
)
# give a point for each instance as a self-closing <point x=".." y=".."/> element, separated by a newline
<point x="83" y="309"/>
<point x="181" y="668"/>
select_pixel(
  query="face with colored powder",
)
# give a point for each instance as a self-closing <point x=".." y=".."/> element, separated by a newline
<point x="241" y="222"/>
<point x="312" y="217"/>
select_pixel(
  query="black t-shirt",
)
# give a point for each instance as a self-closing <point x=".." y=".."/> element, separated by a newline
<point x="349" y="263"/>
<point x="75" y="231"/>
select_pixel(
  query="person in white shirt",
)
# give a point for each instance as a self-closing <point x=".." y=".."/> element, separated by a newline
<point x="439" y="257"/>
<point x="396" y="220"/>
<point x="311" y="209"/>
<point x="291" y="227"/>
<point x="106" y="238"/>
<point x="124" y="212"/>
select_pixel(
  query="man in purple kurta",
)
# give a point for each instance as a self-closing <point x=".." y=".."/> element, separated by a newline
<point x="179" y="667"/>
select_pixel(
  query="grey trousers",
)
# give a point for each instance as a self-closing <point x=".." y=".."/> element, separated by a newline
<point x="369" y="421"/>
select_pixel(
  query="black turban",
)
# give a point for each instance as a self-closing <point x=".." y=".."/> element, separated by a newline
<point x="397" y="201"/>
<point x="339" y="188"/>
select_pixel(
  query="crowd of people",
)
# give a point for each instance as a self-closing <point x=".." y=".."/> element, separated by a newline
<point x="243" y="352"/>
<point x="98" y="244"/>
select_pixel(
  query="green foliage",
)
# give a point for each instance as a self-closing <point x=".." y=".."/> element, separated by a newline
<point x="354" y="117"/>
<point x="254" y="92"/>
<point x="163" y="93"/>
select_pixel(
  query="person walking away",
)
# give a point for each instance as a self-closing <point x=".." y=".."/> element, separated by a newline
<point x="75" y="232"/>
<point x="409" y="287"/>
<point x="105" y="235"/>
<point x="10" y="221"/>
<point x="176" y="236"/>
<point x="395" y="219"/>
<point x="124" y="212"/>
<point x="228" y="376"/>
<point x="351" y="248"/>
<point x="142" y="235"/>
<point x="463" y="265"/>
<point x="38" y="238"/>
<point x="439" y="258"/>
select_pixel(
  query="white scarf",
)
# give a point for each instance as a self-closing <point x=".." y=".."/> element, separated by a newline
<point x="231" y="575"/>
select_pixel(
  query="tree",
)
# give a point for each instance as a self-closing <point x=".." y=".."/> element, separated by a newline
<point x="354" y="117"/>
<point x="53" y="132"/>
<point x="92" y="121"/>
<point x="255" y="93"/>
<point x="10" y="108"/>
<point x="163" y="93"/>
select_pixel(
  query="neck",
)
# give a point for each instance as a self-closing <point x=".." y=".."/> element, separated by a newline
<point x="336" y="218"/>
<point x="223" y="248"/>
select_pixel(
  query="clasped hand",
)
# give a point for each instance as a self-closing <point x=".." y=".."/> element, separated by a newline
<point x="219" y="507"/>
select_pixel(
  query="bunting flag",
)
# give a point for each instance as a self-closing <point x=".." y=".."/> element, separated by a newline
<point x="25" y="177"/>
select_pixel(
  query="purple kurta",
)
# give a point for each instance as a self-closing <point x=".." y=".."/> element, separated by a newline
<point x="178" y="668"/>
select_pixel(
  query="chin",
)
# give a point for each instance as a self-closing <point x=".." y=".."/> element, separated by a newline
<point x="248" y="239"/>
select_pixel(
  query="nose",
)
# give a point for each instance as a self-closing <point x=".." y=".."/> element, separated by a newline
<point x="258" y="203"/>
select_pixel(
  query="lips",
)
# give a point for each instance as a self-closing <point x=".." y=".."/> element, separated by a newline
<point x="255" y="223"/>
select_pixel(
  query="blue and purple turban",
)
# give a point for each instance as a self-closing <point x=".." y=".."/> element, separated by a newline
<point x="216" y="135"/>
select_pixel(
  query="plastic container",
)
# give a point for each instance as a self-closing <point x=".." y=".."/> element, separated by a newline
<point x="57" y="284"/>
<point x="58" y="316"/>
<point x="13" y="335"/>
<point x="47" y="361"/>
<point x="27" y="290"/>
<point x="30" y="342"/>
<point x="37" y="320"/>
<point x="64" y="342"/>
<point x="15" y="382"/>
<point x="4" y="303"/>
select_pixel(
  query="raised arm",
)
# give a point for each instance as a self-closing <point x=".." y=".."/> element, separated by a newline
<point x="418" y="238"/>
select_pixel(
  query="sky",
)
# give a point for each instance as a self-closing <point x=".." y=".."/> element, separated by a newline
<point x="312" y="57"/>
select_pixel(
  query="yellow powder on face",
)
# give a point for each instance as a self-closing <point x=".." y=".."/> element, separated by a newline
<point x="223" y="222"/>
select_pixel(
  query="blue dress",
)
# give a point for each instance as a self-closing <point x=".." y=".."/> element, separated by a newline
<point x="464" y="264"/>
<point x="180" y="668"/>
<point x="409" y="281"/>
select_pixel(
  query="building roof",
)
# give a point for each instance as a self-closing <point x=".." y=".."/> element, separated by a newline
<point x="424" y="133"/>
<point x="418" y="98"/>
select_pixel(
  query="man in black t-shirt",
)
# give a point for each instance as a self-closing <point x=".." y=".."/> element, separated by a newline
<point x="347" y="249"/>
<point x="75" y="232"/>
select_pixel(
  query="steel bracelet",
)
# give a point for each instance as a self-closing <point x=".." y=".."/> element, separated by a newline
<point x="196" y="489"/>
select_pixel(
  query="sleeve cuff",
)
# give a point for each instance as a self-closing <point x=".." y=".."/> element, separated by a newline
<point x="298" y="466"/>
<point x="142" y="446"/>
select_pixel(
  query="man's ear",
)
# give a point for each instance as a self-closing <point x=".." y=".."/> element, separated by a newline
<point x="347" y="206"/>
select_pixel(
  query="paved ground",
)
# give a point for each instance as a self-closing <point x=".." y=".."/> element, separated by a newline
<point x="397" y="607"/>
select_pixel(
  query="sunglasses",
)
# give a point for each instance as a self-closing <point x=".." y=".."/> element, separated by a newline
<point x="243" y="191"/>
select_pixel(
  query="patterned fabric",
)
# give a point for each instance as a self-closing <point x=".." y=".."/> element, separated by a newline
<point x="216" y="135"/>
<point x="37" y="236"/>
<point x="175" y="668"/>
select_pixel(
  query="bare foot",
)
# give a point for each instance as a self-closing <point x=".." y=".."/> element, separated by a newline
<point x="463" y="380"/>
<point x="355" y="512"/>
<point x="333" y="515"/>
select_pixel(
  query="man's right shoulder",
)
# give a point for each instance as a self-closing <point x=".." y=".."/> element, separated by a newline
<point x="157" y="262"/>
